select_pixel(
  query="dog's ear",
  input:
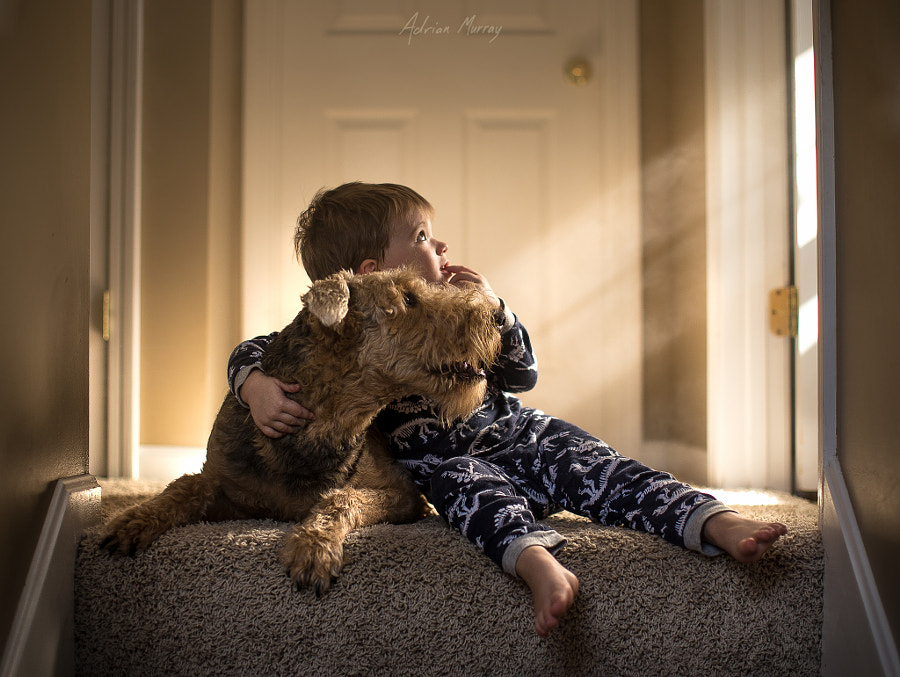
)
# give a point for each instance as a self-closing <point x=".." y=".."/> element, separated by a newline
<point x="328" y="299"/>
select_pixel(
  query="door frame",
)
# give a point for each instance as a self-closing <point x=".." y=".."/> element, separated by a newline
<point x="804" y="248"/>
<point x="115" y="432"/>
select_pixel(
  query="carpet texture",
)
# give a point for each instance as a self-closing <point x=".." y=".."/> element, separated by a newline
<point x="417" y="599"/>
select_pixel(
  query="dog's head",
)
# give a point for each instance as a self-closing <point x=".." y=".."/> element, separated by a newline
<point x="409" y="337"/>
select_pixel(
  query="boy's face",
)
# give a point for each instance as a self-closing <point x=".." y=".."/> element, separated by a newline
<point x="413" y="245"/>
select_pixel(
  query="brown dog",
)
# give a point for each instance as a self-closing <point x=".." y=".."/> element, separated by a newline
<point x="359" y="343"/>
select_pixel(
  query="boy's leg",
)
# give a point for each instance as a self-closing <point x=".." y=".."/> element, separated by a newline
<point x="553" y="587"/>
<point x="586" y="476"/>
<point x="479" y="501"/>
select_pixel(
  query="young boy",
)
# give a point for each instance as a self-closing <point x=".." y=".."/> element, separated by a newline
<point x="495" y="474"/>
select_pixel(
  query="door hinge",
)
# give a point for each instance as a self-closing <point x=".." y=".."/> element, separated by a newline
<point x="783" y="311"/>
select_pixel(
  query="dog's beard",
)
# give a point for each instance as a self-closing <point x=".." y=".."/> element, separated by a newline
<point x="458" y="401"/>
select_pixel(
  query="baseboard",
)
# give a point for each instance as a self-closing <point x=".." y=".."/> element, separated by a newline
<point x="42" y="638"/>
<point x="856" y="637"/>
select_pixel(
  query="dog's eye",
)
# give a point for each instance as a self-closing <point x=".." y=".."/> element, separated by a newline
<point x="410" y="300"/>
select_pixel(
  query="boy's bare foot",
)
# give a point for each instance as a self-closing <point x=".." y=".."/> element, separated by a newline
<point x="553" y="587"/>
<point x="744" y="539"/>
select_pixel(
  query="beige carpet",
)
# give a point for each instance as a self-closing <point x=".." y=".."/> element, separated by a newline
<point x="417" y="599"/>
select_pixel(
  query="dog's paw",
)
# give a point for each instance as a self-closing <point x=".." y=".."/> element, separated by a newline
<point x="128" y="535"/>
<point x="312" y="559"/>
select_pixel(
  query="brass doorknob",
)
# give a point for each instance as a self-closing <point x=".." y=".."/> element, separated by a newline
<point x="578" y="70"/>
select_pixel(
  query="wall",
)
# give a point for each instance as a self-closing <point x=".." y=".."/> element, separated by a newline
<point x="867" y="202"/>
<point x="45" y="70"/>
<point x="673" y="200"/>
<point x="190" y="215"/>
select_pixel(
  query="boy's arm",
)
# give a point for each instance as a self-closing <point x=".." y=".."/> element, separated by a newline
<point x="516" y="367"/>
<point x="274" y="413"/>
<point x="244" y="359"/>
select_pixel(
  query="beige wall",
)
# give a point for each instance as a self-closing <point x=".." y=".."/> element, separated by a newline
<point x="45" y="164"/>
<point x="673" y="202"/>
<point x="867" y="224"/>
<point x="190" y="215"/>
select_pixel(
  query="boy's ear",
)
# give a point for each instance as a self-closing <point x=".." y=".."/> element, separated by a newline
<point x="368" y="266"/>
<point x="328" y="299"/>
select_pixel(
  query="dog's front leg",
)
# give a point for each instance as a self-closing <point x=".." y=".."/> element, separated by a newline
<point x="314" y="551"/>
<point x="184" y="501"/>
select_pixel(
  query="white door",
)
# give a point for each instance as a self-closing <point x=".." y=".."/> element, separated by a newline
<point x="535" y="180"/>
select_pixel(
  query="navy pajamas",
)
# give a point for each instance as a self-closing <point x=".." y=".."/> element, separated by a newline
<point x="495" y="475"/>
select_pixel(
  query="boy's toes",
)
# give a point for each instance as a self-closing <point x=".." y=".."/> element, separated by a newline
<point x="544" y="623"/>
<point x="771" y="533"/>
<point x="748" y="549"/>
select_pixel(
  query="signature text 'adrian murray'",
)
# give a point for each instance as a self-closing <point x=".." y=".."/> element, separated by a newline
<point x="467" y="27"/>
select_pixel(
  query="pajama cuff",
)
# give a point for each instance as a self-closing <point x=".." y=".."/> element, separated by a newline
<point x="509" y="320"/>
<point x="548" y="539"/>
<point x="239" y="379"/>
<point x="693" y="530"/>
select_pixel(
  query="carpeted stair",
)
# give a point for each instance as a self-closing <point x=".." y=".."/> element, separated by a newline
<point x="212" y="599"/>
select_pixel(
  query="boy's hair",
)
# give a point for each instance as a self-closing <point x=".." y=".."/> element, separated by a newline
<point x="344" y="226"/>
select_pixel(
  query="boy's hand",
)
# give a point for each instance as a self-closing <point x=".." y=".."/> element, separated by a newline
<point x="274" y="413"/>
<point x="463" y="276"/>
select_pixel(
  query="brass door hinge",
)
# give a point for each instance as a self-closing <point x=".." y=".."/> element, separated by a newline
<point x="783" y="311"/>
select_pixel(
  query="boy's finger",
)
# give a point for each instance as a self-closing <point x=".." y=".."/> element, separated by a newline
<point x="459" y="269"/>
<point x="269" y="431"/>
<point x="462" y="278"/>
<point x="464" y="274"/>
<point x="297" y="411"/>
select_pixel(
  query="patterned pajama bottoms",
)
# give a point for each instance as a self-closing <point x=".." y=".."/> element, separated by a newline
<point x="495" y="500"/>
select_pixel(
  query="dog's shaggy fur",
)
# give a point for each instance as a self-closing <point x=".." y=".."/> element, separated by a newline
<point x="359" y="343"/>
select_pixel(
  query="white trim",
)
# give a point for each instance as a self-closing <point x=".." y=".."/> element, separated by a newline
<point x="748" y="387"/>
<point x="827" y="238"/>
<point x="125" y="238"/>
<point x="805" y="245"/>
<point x="855" y="629"/>
<point x="98" y="350"/>
<point x="41" y="640"/>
